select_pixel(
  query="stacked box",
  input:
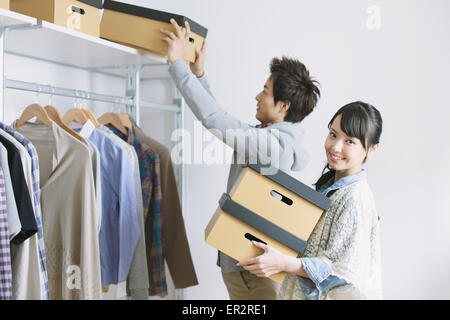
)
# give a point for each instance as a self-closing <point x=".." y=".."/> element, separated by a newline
<point x="139" y="27"/>
<point x="82" y="15"/>
<point x="275" y="209"/>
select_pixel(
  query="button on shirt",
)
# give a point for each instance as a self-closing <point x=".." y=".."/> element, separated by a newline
<point x="320" y="278"/>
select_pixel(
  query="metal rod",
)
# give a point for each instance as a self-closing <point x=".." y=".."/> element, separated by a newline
<point x="164" y="107"/>
<point x="118" y="66"/>
<point x="137" y="105"/>
<point x="47" y="89"/>
<point x="64" y="64"/>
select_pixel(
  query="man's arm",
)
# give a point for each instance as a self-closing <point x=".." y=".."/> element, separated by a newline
<point x="240" y="136"/>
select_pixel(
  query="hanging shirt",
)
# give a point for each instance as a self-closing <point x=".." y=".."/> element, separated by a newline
<point x="95" y="158"/>
<point x="149" y="167"/>
<point x="138" y="277"/>
<point x="21" y="194"/>
<point x="137" y="285"/>
<point x="5" y="260"/>
<point x="67" y="201"/>
<point x="177" y="251"/>
<point x="119" y="232"/>
<point x="28" y="278"/>
<point x="14" y="225"/>
<point x="37" y="201"/>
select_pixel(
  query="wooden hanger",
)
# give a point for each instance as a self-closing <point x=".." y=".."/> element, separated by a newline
<point x="34" y="110"/>
<point x="75" y="115"/>
<point x="54" y="114"/>
<point x="117" y="120"/>
<point x="91" y="117"/>
<point x="125" y="118"/>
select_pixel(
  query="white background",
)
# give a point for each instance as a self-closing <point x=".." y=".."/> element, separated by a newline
<point x="402" y="68"/>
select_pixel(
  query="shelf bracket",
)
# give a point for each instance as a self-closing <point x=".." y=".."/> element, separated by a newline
<point x="24" y="26"/>
<point x="3" y="37"/>
<point x="132" y="89"/>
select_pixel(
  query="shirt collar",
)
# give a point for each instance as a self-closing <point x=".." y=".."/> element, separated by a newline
<point x="343" y="182"/>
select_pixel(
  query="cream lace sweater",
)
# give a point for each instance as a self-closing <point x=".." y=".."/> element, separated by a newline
<point x="347" y="238"/>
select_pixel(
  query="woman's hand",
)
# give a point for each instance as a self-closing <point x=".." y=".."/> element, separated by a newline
<point x="270" y="262"/>
<point x="178" y="42"/>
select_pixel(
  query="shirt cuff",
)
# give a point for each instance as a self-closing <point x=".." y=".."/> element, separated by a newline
<point x="319" y="273"/>
<point x="317" y="269"/>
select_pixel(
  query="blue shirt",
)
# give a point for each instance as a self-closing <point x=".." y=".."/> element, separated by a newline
<point x="320" y="278"/>
<point x="119" y="231"/>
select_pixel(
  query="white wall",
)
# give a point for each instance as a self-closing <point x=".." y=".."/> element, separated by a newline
<point x="402" y="69"/>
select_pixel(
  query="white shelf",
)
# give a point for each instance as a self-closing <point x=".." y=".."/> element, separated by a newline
<point x="10" y="18"/>
<point x="53" y="43"/>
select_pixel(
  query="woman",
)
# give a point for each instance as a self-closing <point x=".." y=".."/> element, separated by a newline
<point x="342" y="258"/>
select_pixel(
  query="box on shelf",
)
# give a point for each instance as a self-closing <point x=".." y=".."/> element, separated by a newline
<point x="277" y="209"/>
<point x="4" y="4"/>
<point x="139" y="27"/>
<point x="82" y="15"/>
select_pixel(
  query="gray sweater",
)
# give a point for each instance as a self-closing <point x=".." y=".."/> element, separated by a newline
<point x="279" y="145"/>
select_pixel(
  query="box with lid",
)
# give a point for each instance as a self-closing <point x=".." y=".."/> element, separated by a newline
<point x="79" y="15"/>
<point x="139" y="27"/>
<point x="274" y="209"/>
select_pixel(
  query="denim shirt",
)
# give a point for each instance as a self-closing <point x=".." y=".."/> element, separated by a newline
<point x="320" y="278"/>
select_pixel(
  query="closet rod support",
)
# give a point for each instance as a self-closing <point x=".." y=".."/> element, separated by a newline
<point x="25" y="26"/>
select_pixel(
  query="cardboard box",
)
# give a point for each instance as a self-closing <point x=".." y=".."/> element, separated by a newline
<point x="4" y="4"/>
<point x="82" y="15"/>
<point x="139" y="27"/>
<point x="252" y="211"/>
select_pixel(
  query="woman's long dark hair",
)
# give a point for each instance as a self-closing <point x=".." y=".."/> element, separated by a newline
<point x="359" y="120"/>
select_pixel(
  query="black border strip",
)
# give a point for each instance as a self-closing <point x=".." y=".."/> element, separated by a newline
<point x="261" y="224"/>
<point x="296" y="186"/>
<point x="94" y="3"/>
<point x="155" y="15"/>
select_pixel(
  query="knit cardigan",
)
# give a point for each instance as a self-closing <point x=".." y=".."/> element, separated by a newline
<point x="347" y="238"/>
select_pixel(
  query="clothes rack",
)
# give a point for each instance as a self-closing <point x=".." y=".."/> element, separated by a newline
<point x="25" y="36"/>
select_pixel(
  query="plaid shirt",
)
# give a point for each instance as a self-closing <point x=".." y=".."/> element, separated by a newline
<point x="36" y="198"/>
<point x="5" y="254"/>
<point x="149" y="169"/>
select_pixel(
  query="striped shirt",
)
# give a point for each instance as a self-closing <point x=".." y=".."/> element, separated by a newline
<point x="149" y="167"/>
<point x="5" y="253"/>
<point x="36" y="198"/>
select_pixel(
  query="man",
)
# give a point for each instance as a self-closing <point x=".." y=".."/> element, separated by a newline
<point x="289" y="95"/>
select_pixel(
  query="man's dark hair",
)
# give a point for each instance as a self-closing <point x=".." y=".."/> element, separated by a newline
<point x="292" y="82"/>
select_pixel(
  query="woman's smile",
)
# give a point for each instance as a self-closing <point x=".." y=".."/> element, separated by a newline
<point x="335" y="158"/>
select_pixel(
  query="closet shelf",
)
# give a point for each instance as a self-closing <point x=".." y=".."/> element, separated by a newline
<point x="10" y="18"/>
<point x="49" y="42"/>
